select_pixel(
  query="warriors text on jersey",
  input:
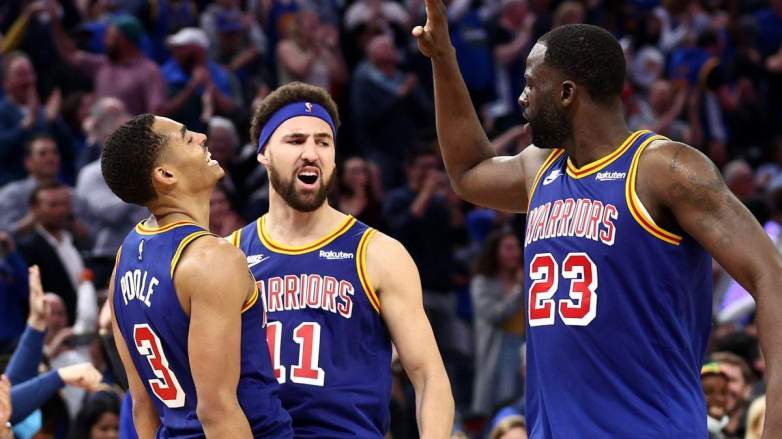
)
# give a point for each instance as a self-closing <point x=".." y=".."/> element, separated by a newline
<point x="155" y="329"/>
<point x="330" y="347"/>
<point x="618" y="307"/>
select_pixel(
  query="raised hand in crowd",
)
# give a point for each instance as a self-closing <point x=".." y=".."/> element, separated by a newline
<point x="82" y="375"/>
<point x="5" y="408"/>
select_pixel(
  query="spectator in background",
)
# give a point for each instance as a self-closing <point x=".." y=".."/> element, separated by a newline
<point x="660" y="112"/>
<point x="124" y="72"/>
<point x="740" y="179"/>
<point x="42" y="162"/>
<point x="198" y="87"/>
<point x="569" y="12"/>
<point x="418" y="214"/>
<point x="102" y="118"/>
<point x="360" y="193"/>
<point x="740" y="381"/>
<point x="756" y="417"/>
<point x="498" y="303"/>
<point x="223" y="142"/>
<point x="310" y="53"/>
<point x="22" y="116"/>
<point x="715" y="388"/>
<point x="98" y="418"/>
<point x="389" y="109"/>
<point x="50" y="245"/>
<point x="5" y="408"/>
<point x="511" y="37"/>
<point x="107" y="217"/>
<point x="510" y="427"/>
<point x="223" y="218"/>
<point x="13" y="293"/>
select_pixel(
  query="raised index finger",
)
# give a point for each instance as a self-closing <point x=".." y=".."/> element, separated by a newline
<point x="436" y="12"/>
<point x="34" y="278"/>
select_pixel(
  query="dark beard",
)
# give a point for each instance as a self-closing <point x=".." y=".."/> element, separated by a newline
<point x="550" y="128"/>
<point x="287" y="191"/>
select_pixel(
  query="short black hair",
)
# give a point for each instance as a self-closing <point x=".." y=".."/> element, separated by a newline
<point x="46" y="186"/>
<point x="588" y="55"/>
<point x="129" y="154"/>
<point x="28" y="146"/>
<point x="286" y="94"/>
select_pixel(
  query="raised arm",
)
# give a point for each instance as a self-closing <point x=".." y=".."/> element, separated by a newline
<point x="145" y="416"/>
<point x="216" y="298"/>
<point x="683" y="181"/>
<point x="395" y="278"/>
<point x="476" y="174"/>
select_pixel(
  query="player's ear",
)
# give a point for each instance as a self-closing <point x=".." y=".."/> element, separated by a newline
<point x="263" y="157"/>
<point x="567" y="93"/>
<point x="163" y="176"/>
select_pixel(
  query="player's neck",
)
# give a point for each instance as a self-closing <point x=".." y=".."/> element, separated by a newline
<point x="292" y="227"/>
<point x="596" y="137"/>
<point x="168" y="211"/>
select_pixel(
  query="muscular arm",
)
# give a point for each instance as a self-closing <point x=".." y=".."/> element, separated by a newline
<point x="476" y="174"/>
<point x="396" y="280"/>
<point x="685" y="182"/>
<point x="216" y="297"/>
<point x="145" y="416"/>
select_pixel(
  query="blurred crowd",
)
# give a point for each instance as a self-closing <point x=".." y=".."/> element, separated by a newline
<point x="705" y="72"/>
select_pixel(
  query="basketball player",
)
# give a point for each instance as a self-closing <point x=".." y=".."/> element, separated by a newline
<point x="338" y="292"/>
<point x="618" y="228"/>
<point x="186" y="316"/>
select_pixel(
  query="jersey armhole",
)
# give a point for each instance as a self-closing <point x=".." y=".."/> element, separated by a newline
<point x="636" y="207"/>
<point x="182" y="245"/>
<point x="361" y="269"/>
<point x="253" y="297"/>
<point x="235" y="238"/>
<point x="552" y="157"/>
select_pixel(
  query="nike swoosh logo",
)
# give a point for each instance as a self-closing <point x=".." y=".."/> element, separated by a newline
<point x="254" y="260"/>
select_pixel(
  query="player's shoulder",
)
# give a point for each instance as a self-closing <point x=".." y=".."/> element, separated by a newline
<point x="385" y="254"/>
<point x="210" y="255"/>
<point x="669" y="159"/>
<point x="532" y="158"/>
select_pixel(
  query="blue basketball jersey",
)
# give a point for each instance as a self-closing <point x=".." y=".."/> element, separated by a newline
<point x="330" y="347"/>
<point x="155" y="329"/>
<point x="618" y="308"/>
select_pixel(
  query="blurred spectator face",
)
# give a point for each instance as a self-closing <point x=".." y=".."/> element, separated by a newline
<point x="382" y="51"/>
<point x="515" y="433"/>
<point x="222" y="145"/>
<point x="740" y="179"/>
<point x="301" y="162"/>
<point x="58" y="317"/>
<point x="219" y="205"/>
<point x="44" y="160"/>
<point x="738" y="388"/>
<point x="107" y="427"/>
<point x="418" y="171"/>
<point x="355" y="173"/>
<point x="105" y="116"/>
<point x="647" y="67"/>
<point x="19" y="78"/>
<point x="113" y="43"/>
<point x="715" y="388"/>
<point x="307" y="21"/>
<point x="52" y="208"/>
<point x="509" y="255"/>
<point x="569" y="12"/>
<point x="188" y="56"/>
<point x="515" y="11"/>
<point x="660" y="96"/>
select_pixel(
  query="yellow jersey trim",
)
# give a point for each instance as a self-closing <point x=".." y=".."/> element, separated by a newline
<point x="116" y="258"/>
<point x="637" y="208"/>
<point x="182" y="245"/>
<point x="289" y="250"/>
<point x="553" y="156"/>
<point x="141" y="229"/>
<point x="599" y="164"/>
<point x="252" y="299"/>
<point x="361" y="269"/>
<point x="235" y="238"/>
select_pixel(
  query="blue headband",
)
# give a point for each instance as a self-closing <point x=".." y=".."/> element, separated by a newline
<point x="290" y="111"/>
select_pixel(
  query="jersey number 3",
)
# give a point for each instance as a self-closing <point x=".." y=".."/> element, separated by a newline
<point x="581" y="308"/>
<point x="165" y="387"/>
<point x="307" y="336"/>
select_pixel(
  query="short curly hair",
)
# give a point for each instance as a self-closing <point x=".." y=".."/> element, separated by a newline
<point x="289" y="93"/>
<point x="588" y="55"/>
<point x="129" y="154"/>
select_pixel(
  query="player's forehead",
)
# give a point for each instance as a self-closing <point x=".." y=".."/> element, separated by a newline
<point x="535" y="60"/>
<point x="167" y="127"/>
<point x="303" y="125"/>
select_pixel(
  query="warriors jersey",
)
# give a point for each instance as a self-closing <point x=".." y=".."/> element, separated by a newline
<point x="330" y="347"/>
<point x="155" y="329"/>
<point x="618" y="307"/>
